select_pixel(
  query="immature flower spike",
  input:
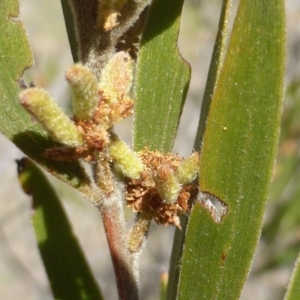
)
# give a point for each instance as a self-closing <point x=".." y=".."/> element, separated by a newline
<point x="188" y="169"/>
<point x="158" y="194"/>
<point x="125" y="159"/>
<point x="84" y="87"/>
<point x="167" y="184"/>
<point x="138" y="232"/>
<point x="116" y="78"/>
<point x="44" y="108"/>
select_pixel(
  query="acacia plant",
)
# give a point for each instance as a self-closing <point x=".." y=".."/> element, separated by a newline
<point x="126" y="61"/>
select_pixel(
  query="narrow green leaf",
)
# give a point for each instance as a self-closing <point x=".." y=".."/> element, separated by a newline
<point x="162" y="79"/>
<point x="175" y="260"/>
<point x="70" y="26"/>
<point x="238" y="154"/>
<point x="15" y="57"/>
<point x="67" y="269"/>
<point x="293" y="292"/>
<point x="15" y="122"/>
<point x="216" y="64"/>
<point x="213" y="75"/>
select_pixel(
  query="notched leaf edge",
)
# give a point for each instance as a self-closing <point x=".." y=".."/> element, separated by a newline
<point x="14" y="15"/>
<point x="216" y="207"/>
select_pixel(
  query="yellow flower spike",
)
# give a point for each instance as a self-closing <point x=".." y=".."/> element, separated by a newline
<point x="125" y="158"/>
<point x="167" y="183"/>
<point x="116" y="78"/>
<point x="84" y="87"/>
<point x="44" y="108"/>
<point x="188" y="169"/>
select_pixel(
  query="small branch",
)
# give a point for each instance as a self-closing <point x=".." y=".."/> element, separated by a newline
<point x="109" y="200"/>
<point x="106" y="192"/>
<point x="123" y="260"/>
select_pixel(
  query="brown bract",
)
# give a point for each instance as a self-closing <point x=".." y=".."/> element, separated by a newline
<point x="109" y="113"/>
<point x="143" y="197"/>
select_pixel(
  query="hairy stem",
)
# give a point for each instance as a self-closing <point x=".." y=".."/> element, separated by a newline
<point x="126" y="277"/>
<point x="96" y="44"/>
<point x="100" y="26"/>
<point x="110" y="205"/>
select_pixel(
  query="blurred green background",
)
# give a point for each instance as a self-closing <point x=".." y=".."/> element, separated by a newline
<point x="21" y="271"/>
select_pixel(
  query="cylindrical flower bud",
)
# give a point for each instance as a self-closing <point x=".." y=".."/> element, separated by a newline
<point x="137" y="234"/>
<point x="84" y="87"/>
<point x="188" y="169"/>
<point x="44" y="108"/>
<point x="125" y="158"/>
<point x="116" y="78"/>
<point x="167" y="184"/>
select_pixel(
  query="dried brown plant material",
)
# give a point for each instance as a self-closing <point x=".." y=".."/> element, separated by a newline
<point x="143" y="195"/>
<point x="117" y="77"/>
<point x="108" y="14"/>
<point x="107" y="114"/>
<point x="95" y="136"/>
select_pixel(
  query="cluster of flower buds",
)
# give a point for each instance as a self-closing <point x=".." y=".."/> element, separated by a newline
<point x="97" y="106"/>
<point x="166" y="187"/>
<point x="159" y="186"/>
